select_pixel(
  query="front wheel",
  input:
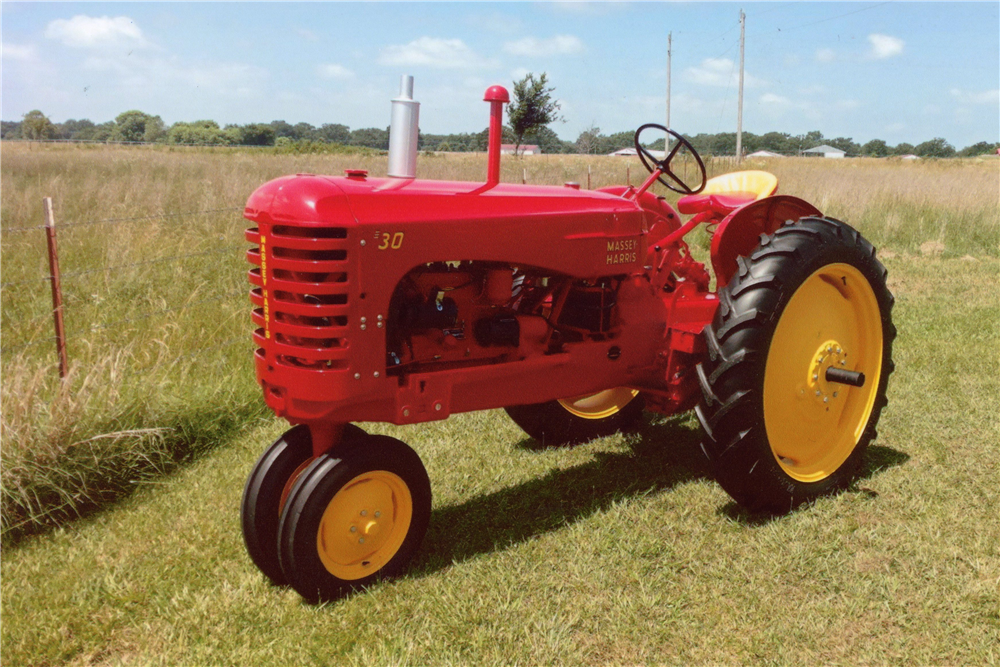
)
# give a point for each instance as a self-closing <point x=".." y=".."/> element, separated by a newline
<point x="354" y="517"/>
<point x="581" y="418"/>
<point x="799" y="357"/>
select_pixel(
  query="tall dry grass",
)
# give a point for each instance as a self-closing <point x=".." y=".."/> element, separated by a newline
<point x="160" y="347"/>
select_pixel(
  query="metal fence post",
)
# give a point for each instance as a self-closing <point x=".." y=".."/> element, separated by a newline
<point x="57" y="303"/>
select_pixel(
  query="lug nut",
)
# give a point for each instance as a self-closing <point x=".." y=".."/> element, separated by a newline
<point x="364" y="512"/>
<point x="354" y="529"/>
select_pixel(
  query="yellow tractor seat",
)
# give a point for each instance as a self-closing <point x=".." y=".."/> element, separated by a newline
<point x="726" y="193"/>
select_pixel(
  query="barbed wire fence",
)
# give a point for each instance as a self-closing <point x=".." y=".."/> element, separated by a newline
<point x="35" y="328"/>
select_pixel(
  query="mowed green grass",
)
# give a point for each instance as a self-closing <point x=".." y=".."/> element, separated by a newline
<point x="621" y="551"/>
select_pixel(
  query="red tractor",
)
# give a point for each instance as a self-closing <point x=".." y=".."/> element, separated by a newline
<point x="403" y="300"/>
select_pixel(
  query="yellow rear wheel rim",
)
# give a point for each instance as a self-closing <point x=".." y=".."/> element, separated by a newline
<point x="364" y="525"/>
<point x="601" y="405"/>
<point x="832" y="320"/>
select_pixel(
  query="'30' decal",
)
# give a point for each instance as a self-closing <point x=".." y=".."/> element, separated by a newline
<point x="391" y="241"/>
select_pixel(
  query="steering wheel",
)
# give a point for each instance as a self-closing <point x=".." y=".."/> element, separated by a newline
<point x="664" y="165"/>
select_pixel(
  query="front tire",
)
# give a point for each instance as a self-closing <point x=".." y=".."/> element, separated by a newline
<point x="267" y="489"/>
<point x="778" y="432"/>
<point x="354" y="517"/>
<point x="573" y="420"/>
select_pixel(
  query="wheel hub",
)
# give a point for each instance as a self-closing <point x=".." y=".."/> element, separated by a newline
<point x="364" y="525"/>
<point x="830" y="354"/>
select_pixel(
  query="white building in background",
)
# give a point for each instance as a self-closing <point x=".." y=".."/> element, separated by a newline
<point x="824" y="151"/>
<point x="765" y="154"/>
<point x="525" y="149"/>
<point x="630" y="152"/>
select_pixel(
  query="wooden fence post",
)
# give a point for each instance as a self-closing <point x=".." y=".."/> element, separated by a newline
<point x="588" y="177"/>
<point x="57" y="303"/>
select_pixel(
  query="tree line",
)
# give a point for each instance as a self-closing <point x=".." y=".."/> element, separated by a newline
<point x="139" y="127"/>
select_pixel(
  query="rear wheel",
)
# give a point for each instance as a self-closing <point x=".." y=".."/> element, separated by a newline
<point x="799" y="360"/>
<point x="354" y="517"/>
<point x="582" y="418"/>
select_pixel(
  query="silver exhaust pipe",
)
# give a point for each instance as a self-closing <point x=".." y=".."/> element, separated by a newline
<point x="403" y="132"/>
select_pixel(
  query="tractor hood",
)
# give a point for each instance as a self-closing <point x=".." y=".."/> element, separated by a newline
<point x="576" y="232"/>
<point x="327" y="200"/>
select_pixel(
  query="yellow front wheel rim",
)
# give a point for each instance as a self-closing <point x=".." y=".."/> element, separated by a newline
<point x="832" y="320"/>
<point x="364" y="525"/>
<point x="600" y="405"/>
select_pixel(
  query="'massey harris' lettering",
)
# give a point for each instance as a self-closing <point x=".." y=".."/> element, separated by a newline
<point x="623" y="245"/>
<point x="623" y="251"/>
<point x="621" y="258"/>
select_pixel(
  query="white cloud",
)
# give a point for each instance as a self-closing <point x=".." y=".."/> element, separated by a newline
<point x="719" y="72"/>
<point x="17" y="52"/>
<point x="984" y="97"/>
<point x="775" y="101"/>
<point x="307" y="34"/>
<point x="777" y="106"/>
<point x="553" y="46"/>
<point x="91" y="32"/>
<point x="825" y="55"/>
<point x="432" y="52"/>
<point x="519" y="73"/>
<point x="848" y="105"/>
<point x="334" y="71"/>
<point x="884" y="46"/>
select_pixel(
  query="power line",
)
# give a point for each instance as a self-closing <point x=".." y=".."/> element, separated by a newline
<point x="833" y="18"/>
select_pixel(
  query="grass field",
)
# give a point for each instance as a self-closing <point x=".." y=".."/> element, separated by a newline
<point x="621" y="551"/>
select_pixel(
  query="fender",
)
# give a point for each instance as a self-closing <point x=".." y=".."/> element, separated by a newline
<point x="739" y="232"/>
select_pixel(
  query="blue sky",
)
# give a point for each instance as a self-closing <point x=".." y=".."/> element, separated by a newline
<point x="896" y="71"/>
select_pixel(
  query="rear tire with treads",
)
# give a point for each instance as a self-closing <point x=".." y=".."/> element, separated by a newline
<point x="778" y="433"/>
<point x="573" y="420"/>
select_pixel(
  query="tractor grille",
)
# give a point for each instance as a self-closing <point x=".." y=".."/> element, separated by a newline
<point x="300" y="294"/>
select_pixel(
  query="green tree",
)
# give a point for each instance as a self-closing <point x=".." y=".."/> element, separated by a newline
<point x="845" y="144"/>
<point x="334" y="133"/>
<point x="903" y="149"/>
<point x="254" y="134"/>
<point x="587" y="141"/>
<point x="73" y="129"/>
<point x="532" y="107"/>
<point x="372" y="137"/>
<point x="777" y="142"/>
<point x="981" y="148"/>
<point x="200" y="133"/>
<point x="37" y="126"/>
<point x="130" y="126"/>
<point x="10" y="129"/>
<point x="937" y="147"/>
<point x="875" y="148"/>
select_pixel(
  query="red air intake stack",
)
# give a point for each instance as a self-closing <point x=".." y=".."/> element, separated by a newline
<point x="497" y="96"/>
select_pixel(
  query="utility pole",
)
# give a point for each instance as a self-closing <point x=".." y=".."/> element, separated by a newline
<point x="666" y="140"/>
<point x="739" y="114"/>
